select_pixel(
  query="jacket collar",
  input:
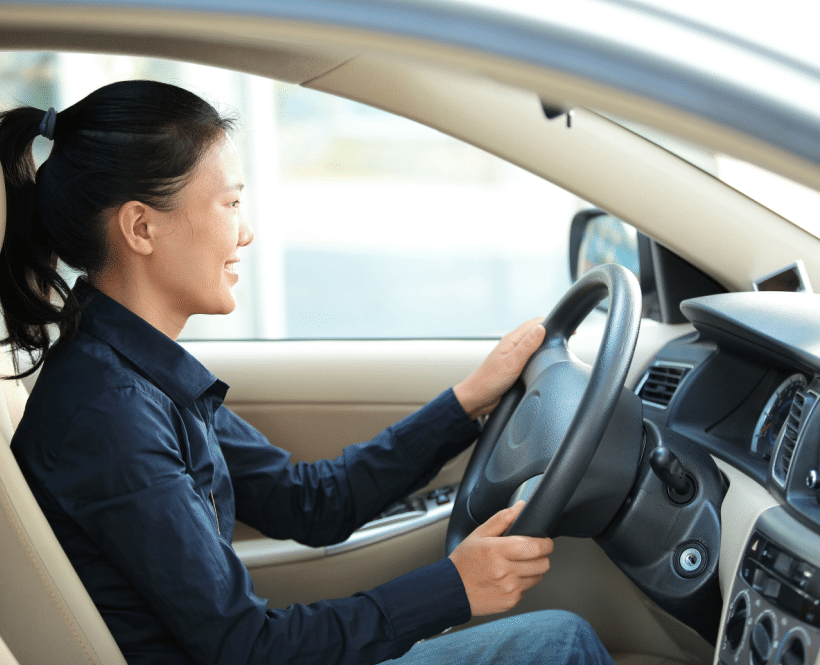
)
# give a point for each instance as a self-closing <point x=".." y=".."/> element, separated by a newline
<point x="170" y="367"/>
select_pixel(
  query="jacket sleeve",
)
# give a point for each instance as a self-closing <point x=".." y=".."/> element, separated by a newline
<point x="324" y="502"/>
<point x="122" y="477"/>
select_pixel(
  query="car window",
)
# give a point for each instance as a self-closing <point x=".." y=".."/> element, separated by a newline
<point x="366" y="225"/>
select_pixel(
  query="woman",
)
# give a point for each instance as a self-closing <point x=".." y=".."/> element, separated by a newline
<point x="139" y="469"/>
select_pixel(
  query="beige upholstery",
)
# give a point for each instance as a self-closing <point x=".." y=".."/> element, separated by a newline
<point x="6" y="656"/>
<point x="14" y="395"/>
<point x="46" y="615"/>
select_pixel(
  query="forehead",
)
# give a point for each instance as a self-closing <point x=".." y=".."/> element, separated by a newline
<point x="219" y="167"/>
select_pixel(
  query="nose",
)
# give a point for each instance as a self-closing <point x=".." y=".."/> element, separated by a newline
<point x="245" y="232"/>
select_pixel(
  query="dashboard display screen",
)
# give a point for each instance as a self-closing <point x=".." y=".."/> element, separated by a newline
<point x="791" y="278"/>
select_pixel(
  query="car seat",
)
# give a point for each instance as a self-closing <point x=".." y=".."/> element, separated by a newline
<point x="46" y="615"/>
<point x="6" y="656"/>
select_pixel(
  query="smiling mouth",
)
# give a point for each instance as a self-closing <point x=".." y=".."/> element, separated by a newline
<point x="231" y="268"/>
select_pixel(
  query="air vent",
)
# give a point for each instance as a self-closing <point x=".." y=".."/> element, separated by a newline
<point x="660" y="382"/>
<point x="788" y="438"/>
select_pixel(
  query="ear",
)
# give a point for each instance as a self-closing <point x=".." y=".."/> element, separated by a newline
<point x="135" y="225"/>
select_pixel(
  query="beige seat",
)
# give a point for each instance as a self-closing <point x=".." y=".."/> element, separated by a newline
<point x="6" y="656"/>
<point x="46" y="615"/>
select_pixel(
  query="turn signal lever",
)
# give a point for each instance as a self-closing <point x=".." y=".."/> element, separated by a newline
<point x="680" y="486"/>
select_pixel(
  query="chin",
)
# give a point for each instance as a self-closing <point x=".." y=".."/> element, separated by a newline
<point x="228" y="304"/>
<point x="224" y="303"/>
<point x="225" y="308"/>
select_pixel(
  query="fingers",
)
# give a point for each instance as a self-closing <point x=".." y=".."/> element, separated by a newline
<point x="481" y="391"/>
<point x="522" y="548"/>
<point x="533" y="570"/>
<point x="496" y="570"/>
<point x="524" y="329"/>
<point x="498" y="524"/>
<point x="526" y="346"/>
<point x="516" y="347"/>
<point x="524" y="566"/>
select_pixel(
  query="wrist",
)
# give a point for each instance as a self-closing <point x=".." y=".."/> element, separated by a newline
<point x="468" y="400"/>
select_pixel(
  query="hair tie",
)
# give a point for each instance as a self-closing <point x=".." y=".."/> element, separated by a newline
<point x="47" y="124"/>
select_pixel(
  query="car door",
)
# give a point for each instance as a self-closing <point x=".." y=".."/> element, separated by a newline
<point x="314" y="397"/>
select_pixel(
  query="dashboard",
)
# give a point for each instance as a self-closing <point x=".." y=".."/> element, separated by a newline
<point x="745" y="388"/>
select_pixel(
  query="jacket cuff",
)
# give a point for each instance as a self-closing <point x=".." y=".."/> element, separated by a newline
<point x="442" y="420"/>
<point x="425" y="602"/>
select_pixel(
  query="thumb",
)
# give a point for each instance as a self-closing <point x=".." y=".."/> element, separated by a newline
<point x="498" y="524"/>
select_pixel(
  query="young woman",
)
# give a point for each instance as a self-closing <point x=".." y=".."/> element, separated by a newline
<point x="141" y="471"/>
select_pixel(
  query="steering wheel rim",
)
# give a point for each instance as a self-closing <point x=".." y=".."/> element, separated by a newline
<point x="547" y="498"/>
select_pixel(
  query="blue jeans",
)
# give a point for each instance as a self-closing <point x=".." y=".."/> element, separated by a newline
<point x="551" y="637"/>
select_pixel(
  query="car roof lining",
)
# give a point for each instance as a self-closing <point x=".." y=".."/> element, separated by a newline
<point x="282" y="61"/>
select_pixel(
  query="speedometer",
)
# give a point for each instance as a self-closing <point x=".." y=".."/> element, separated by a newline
<point x="774" y="415"/>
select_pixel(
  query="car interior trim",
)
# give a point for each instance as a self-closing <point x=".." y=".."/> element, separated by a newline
<point x="263" y="552"/>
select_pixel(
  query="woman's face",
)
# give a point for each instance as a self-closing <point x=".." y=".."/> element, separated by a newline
<point x="196" y="253"/>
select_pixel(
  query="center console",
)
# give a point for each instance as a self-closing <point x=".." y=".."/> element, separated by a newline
<point x="774" y="610"/>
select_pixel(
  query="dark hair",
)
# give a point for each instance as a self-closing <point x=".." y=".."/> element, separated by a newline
<point x="128" y="141"/>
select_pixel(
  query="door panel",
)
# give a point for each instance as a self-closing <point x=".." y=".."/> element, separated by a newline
<point x="319" y="431"/>
<point x="313" y="398"/>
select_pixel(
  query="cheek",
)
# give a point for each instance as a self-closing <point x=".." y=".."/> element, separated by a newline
<point x="212" y="243"/>
<point x="208" y="246"/>
<point x="229" y="240"/>
<point x="221" y="247"/>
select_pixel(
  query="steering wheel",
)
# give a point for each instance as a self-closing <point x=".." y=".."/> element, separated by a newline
<point x="540" y="440"/>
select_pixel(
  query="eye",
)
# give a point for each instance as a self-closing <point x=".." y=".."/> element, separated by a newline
<point x="235" y="204"/>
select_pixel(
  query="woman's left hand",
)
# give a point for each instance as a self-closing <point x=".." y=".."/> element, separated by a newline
<point x="481" y="392"/>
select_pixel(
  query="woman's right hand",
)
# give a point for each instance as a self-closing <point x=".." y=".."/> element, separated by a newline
<point x="496" y="570"/>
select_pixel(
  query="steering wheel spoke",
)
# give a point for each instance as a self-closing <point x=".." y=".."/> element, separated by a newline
<point x="551" y="352"/>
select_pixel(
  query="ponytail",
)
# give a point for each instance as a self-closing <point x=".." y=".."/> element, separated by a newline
<point x="28" y="276"/>
<point x="128" y="141"/>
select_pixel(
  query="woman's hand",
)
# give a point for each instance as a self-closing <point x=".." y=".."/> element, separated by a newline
<point x="495" y="569"/>
<point x="481" y="392"/>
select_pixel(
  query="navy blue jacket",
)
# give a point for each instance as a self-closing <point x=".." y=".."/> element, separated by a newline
<point x="141" y="472"/>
